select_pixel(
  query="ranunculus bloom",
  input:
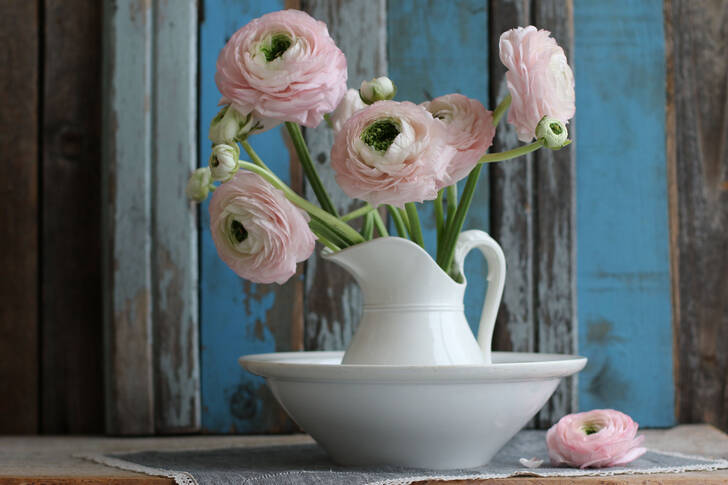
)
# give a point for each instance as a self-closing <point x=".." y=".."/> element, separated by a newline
<point x="596" y="439"/>
<point x="282" y="66"/>
<point x="391" y="153"/>
<point x="257" y="232"/>
<point x="539" y="79"/>
<point x="350" y="104"/>
<point x="469" y="128"/>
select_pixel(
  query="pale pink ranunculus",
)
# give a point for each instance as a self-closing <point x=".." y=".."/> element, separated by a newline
<point x="258" y="233"/>
<point x="350" y="104"/>
<point x="282" y="66"/>
<point x="470" y="131"/>
<point x="539" y="79"/>
<point x="594" y="439"/>
<point x="391" y="153"/>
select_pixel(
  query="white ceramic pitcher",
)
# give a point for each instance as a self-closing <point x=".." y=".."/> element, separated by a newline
<point x="413" y="311"/>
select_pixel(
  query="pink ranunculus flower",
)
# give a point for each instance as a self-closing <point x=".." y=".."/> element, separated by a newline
<point x="350" y="104"/>
<point x="596" y="439"/>
<point x="258" y="233"/>
<point x="539" y="79"/>
<point x="391" y="153"/>
<point x="470" y="131"/>
<point x="282" y="66"/>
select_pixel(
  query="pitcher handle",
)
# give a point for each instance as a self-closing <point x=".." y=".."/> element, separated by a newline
<point x="493" y="255"/>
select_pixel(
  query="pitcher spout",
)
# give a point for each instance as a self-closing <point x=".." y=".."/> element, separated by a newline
<point x="412" y="276"/>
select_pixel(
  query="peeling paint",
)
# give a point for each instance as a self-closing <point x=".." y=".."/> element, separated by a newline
<point x="600" y="332"/>
<point x="608" y="385"/>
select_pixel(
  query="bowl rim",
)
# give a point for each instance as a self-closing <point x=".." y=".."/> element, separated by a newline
<point x="322" y="366"/>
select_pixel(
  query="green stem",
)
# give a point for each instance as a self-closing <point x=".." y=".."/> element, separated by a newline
<point x="334" y="223"/>
<point x="514" y="153"/>
<point x="446" y="254"/>
<point x="439" y="215"/>
<point x="379" y="223"/>
<point x="253" y="156"/>
<point x="452" y="201"/>
<point x="398" y="222"/>
<point x="414" y="223"/>
<point x="454" y="227"/>
<point x="405" y="221"/>
<point x="305" y="158"/>
<point x="501" y="109"/>
<point x="367" y="230"/>
<point x="321" y="235"/>
<point x="332" y="234"/>
<point x="361" y="211"/>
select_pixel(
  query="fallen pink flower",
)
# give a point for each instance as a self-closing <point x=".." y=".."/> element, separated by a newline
<point x="594" y="439"/>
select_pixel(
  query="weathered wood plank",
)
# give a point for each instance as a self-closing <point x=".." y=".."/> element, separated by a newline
<point x="174" y="232"/>
<point x="435" y="49"/>
<point x="622" y="214"/>
<point x="127" y="216"/>
<point x="332" y="298"/>
<point x="239" y="317"/>
<point x="71" y="356"/>
<point x="698" y="38"/>
<point x="19" y="311"/>
<point x="554" y="231"/>
<point x="512" y="201"/>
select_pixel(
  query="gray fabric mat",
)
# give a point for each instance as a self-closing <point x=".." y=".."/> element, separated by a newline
<point x="309" y="464"/>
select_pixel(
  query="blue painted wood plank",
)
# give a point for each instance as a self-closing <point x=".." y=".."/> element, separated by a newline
<point x="127" y="218"/>
<point x="175" y="251"/>
<point x="237" y="317"/>
<point x="437" y="48"/>
<point x="622" y="213"/>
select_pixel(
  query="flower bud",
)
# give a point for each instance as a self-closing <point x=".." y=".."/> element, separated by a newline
<point x="198" y="185"/>
<point x="230" y="126"/>
<point x="378" y="89"/>
<point x="553" y="133"/>
<point x="223" y="162"/>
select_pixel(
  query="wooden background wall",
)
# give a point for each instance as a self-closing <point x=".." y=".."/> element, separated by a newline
<point x="117" y="315"/>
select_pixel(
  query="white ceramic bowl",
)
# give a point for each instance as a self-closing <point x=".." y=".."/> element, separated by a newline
<point x="437" y="417"/>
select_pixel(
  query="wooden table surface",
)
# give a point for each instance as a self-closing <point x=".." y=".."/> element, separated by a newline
<point x="36" y="460"/>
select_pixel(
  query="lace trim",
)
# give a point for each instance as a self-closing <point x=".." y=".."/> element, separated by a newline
<point x="180" y="478"/>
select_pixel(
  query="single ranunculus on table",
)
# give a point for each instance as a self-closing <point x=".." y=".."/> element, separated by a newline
<point x="594" y="439"/>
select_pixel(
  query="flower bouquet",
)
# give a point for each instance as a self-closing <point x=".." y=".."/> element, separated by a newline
<point x="413" y="348"/>
<point x="285" y="68"/>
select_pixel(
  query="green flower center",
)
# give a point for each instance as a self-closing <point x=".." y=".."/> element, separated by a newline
<point x="238" y="231"/>
<point x="556" y="130"/>
<point x="590" y="428"/>
<point x="279" y="44"/>
<point x="380" y="134"/>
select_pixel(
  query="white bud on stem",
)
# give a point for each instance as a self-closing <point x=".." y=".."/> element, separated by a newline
<point x="198" y="185"/>
<point x="230" y="126"/>
<point x="553" y="133"/>
<point x="378" y="89"/>
<point x="223" y="162"/>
